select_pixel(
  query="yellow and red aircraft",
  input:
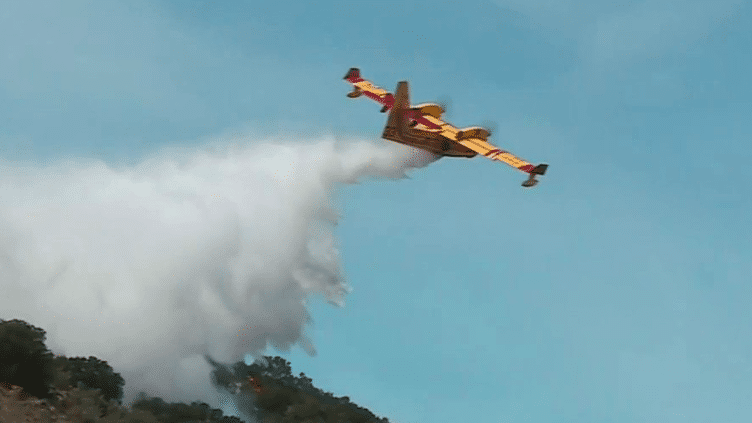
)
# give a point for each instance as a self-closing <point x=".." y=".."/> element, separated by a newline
<point x="421" y="126"/>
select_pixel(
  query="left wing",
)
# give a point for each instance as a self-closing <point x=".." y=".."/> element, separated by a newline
<point x="363" y="87"/>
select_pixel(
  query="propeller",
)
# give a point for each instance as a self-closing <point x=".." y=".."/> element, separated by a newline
<point x="446" y="103"/>
<point x="491" y="126"/>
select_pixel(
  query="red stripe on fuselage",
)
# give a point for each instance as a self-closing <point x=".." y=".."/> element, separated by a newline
<point x="527" y="168"/>
<point x="493" y="152"/>
<point x="413" y="114"/>
<point x="387" y="100"/>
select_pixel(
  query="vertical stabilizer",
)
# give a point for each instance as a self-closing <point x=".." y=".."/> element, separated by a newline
<point x="397" y="120"/>
<point x="352" y="74"/>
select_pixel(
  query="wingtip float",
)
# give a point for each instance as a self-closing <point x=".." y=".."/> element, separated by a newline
<point x="421" y="126"/>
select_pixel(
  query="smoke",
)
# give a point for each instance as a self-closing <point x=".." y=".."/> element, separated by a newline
<point x="190" y="252"/>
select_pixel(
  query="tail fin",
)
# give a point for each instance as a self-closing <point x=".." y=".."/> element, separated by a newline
<point x="353" y="73"/>
<point x="537" y="170"/>
<point x="540" y="169"/>
<point x="397" y="119"/>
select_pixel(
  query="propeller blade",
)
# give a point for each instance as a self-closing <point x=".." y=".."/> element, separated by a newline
<point x="446" y="103"/>
<point x="490" y="126"/>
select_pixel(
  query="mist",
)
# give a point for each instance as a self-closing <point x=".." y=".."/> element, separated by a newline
<point x="212" y="250"/>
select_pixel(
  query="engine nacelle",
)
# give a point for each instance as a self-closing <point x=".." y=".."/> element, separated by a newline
<point x="473" y="132"/>
<point x="429" y="109"/>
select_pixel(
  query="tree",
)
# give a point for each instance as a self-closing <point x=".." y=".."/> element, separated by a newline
<point x="179" y="412"/>
<point x="285" y="398"/>
<point x="273" y="367"/>
<point x="93" y="373"/>
<point x="25" y="360"/>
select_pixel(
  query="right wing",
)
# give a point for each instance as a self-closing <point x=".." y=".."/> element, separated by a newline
<point x="489" y="150"/>
<point x="474" y="138"/>
<point x="363" y="87"/>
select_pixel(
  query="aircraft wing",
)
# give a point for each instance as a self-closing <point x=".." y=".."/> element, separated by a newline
<point x="493" y="153"/>
<point x="475" y="139"/>
<point x="427" y="118"/>
<point x="363" y="87"/>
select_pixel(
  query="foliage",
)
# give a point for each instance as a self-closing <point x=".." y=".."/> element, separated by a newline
<point x="93" y="373"/>
<point x="25" y="360"/>
<point x="81" y="390"/>
<point x="73" y="405"/>
<point x="179" y="412"/>
<point x="285" y="398"/>
<point x="88" y="390"/>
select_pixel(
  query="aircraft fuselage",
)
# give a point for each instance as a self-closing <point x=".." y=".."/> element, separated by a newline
<point x="427" y="140"/>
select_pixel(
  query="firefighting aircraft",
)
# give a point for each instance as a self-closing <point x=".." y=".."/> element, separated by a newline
<point x="421" y="126"/>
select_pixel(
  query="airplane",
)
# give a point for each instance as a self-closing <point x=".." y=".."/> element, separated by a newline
<point x="421" y="126"/>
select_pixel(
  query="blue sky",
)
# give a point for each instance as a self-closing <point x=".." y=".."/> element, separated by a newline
<point x="616" y="290"/>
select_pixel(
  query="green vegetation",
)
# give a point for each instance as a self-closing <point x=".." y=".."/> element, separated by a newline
<point x="285" y="398"/>
<point x="88" y="390"/>
<point x="24" y="358"/>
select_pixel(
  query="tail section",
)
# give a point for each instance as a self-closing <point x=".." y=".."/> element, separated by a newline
<point x="540" y="169"/>
<point x="537" y="170"/>
<point x="352" y="74"/>
<point x="397" y="122"/>
<point x="363" y="87"/>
